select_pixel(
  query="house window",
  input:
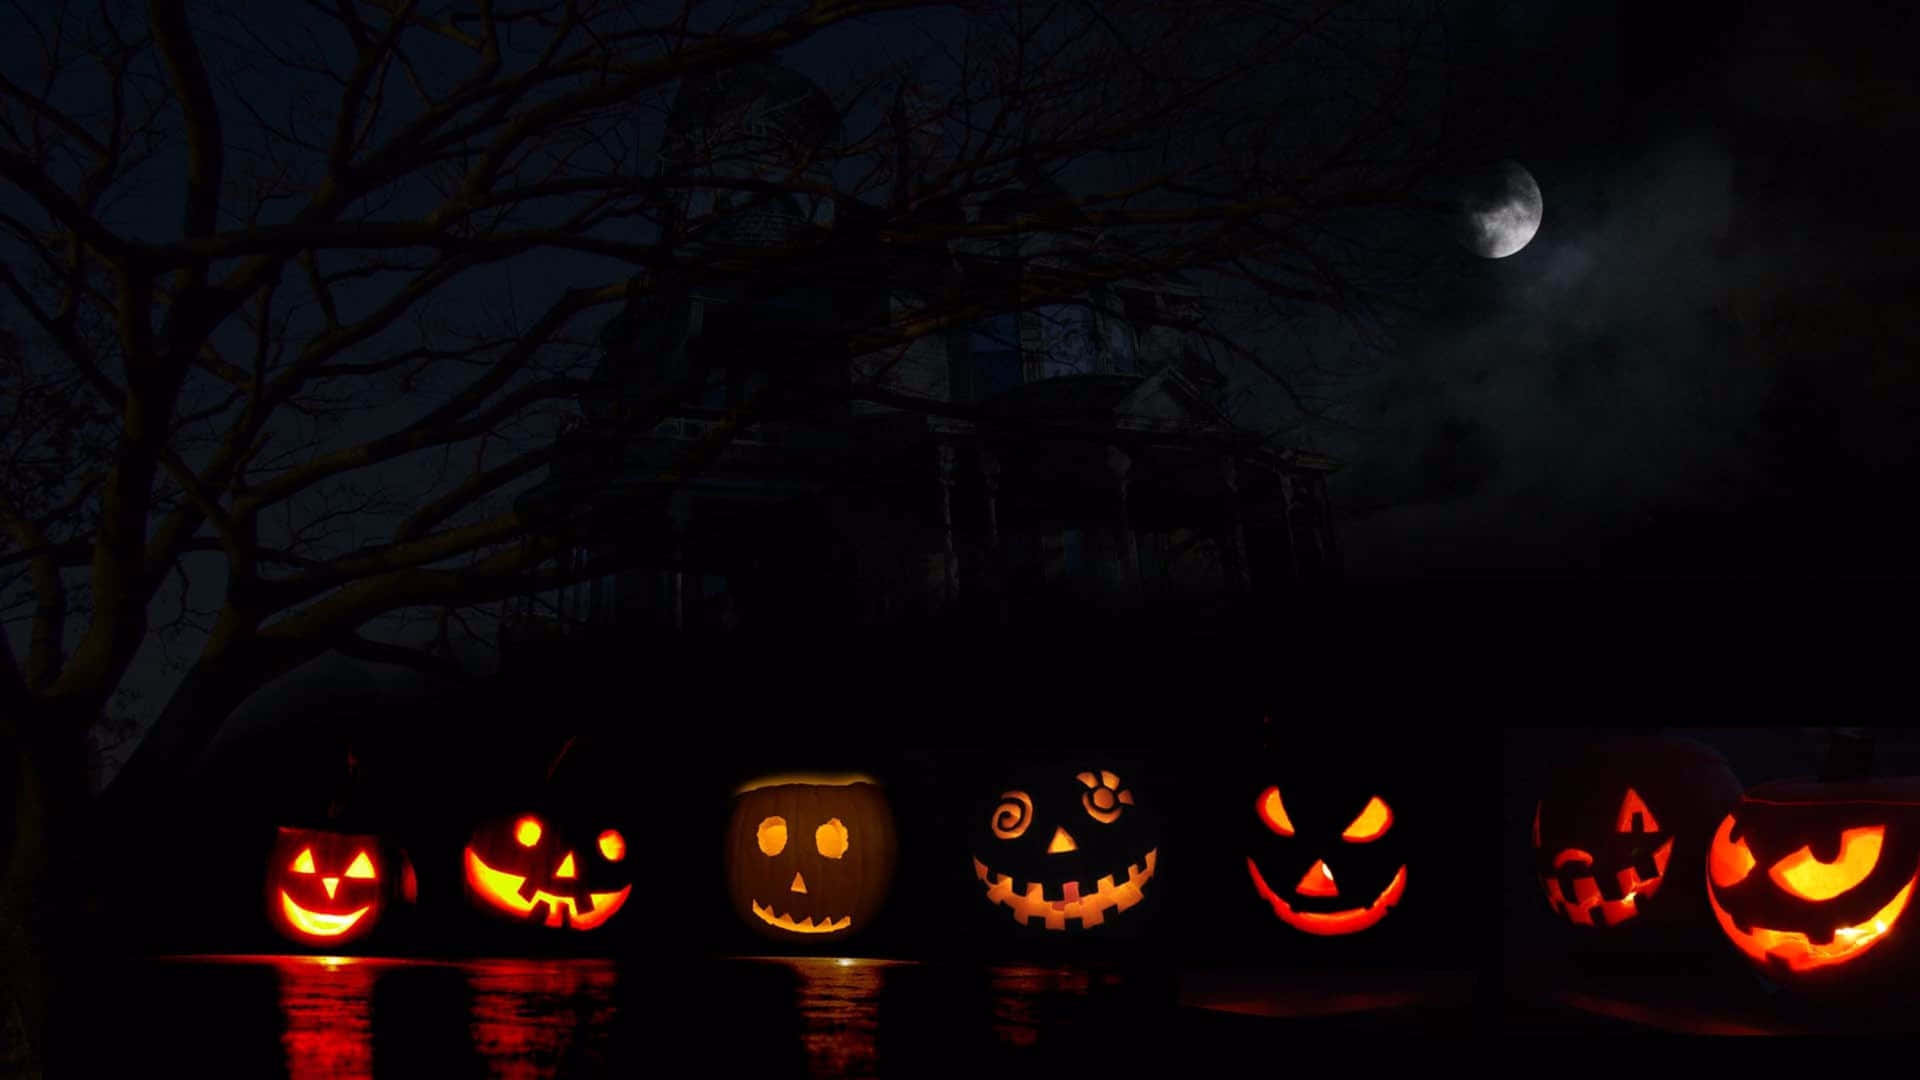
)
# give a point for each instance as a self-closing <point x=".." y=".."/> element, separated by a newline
<point x="1067" y="342"/>
<point x="995" y="345"/>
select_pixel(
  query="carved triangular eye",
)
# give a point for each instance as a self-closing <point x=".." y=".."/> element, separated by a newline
<point x="303" y="862"/>
<point x="362" y="867"/>
<point x="1634" y="815"/>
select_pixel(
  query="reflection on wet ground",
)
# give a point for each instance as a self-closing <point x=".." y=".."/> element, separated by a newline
<point x="529" y="1019"/>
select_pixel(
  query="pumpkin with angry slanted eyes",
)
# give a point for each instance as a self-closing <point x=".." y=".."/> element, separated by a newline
<point x="810" y="858"/>
<point x="1067" y="849"/>
<point x="1310" y="831"/>
<point x="328" y="889"/>
<point x="532" y="868"/>
<point x="1621" y="834"/>
<point x="1813" y="881"/>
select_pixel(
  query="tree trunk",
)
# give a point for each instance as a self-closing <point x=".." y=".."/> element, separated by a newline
<point x="42" y="900"/>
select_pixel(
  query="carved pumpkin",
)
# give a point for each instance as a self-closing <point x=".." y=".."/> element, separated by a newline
<point x="810" y="857"/>
<point x="531" y="868"/>
<point x="1812" y="881"/>
<point x="1311" y="829"/>
<point x="328" y="889"/>
<point x="1621" y="835"/>
<point x="1066" y="848"/>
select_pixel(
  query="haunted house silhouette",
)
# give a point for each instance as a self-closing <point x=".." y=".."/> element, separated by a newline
<point x="1097" y="472"/>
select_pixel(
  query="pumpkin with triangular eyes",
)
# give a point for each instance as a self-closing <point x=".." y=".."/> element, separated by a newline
<point x="1812" y="881"/>
<point x="1620" y="837"/>
<point x="1067" y="848"/>
<point x="329" y="889"/>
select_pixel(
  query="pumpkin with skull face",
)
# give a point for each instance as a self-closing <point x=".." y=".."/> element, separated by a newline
<point x="328" y="889"/>
<point x="1812" y="881"/>
<point x="810" y="858"/>
<point x="1067" y="848"/>
<point x="1310" y="829"/>
<point x="533" y="868"/>
<point x="1622" y="834"/>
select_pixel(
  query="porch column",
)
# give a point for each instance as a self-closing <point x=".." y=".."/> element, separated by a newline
<point x="1234" y="549"/>
<point x="944" y="457"/>
<point x="1120" y="467"/>
<point x="990" y="475"/>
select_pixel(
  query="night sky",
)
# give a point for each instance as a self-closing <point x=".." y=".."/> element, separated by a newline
<point x="1703" y="364"/>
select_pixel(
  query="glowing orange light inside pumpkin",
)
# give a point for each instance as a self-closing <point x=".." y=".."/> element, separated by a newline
<point x="613" y="845"/>
<point x="1014" y="814"/>
<point x="362" y="867"/>
<point x="319" y="923"/>
<point x="1371" y="825"/>
<point x="1061" y="843"/>
<point x="1799" y="953"/>
<point x="566" y="867"/>
<point x="502" y="890"/>
<point x="1810" y="879"/>
<point x="303" y="862"/>
<point x="1630" y="806"/>
<point x="1273" y="812"/>
<point x="527" y="832"/>
<point x="1332" y="923"/>
<point x="1318" y="881"/>
<point x="772" y="835"/>
<point x="831" y="839"/>
<point x="1728" y="863"/>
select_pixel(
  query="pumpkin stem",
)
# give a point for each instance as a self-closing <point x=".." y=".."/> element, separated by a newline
<point x="554" y="766"/>
<point x="1849" y="755"/>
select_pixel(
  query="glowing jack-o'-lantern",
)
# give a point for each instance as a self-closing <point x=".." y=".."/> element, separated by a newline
<point x="328" y="889"/>
<point x="810" y="857"/>
<point x="1316" y="903"/>
<point x="1622" y="833"/>
<point x="530" y="869"/>
<point x="1067" y="848"/>
<point x="1811" y="880"/>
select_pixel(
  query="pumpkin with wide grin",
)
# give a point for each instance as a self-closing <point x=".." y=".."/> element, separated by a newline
<point x="534" y="843"/>
<point x="326" y="889"/>
<point x="1807" y="913"/>
<point x="1348" y="921"/>
<point x="1318" y="884"/>
<point x="1053" y="874"/>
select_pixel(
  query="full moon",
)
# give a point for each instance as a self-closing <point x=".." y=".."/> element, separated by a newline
<point x="1500" y="210"/>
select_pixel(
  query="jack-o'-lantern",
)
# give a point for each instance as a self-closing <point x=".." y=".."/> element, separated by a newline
<point x="328" y="889"/>
<point x="1621" y="835"/>
<point x="1311" y="831"/>
<point x="532" y="868"/>
<point x="1812" y="881"/>
<point x="810" y="858"/>
<point x="1067" y="848"/>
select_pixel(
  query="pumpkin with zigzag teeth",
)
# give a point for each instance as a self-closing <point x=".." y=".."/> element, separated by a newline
<point x="1067" y="849"/>
<point x="810" y="858"/>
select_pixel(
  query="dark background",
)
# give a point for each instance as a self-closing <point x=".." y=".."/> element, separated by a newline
<point x="1703" y="364"/>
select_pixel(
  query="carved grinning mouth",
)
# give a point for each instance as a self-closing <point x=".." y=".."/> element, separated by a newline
<point x="1324" y="923"/>
<point x="1799" y="951"/>
<point x="509" y="892"/>
<point x="319" y="923"/>
<point x="1587" y="896"/>
<point x="826" y="925"/>
<point x="1089" y="908"/>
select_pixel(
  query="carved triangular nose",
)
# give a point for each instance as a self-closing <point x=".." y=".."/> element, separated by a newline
<point x="1318" y="881"/>
<point x="566" y="867"/>
<point x="799" y="884"/>
<point x="1061" y="843"/>
<point x="331" y="883"/>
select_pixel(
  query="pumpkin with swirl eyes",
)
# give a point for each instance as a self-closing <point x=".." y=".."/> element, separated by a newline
<point x="1814" y="882"/>
<point x="1067" y="849"/>
<point x="1620" y="837"/>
